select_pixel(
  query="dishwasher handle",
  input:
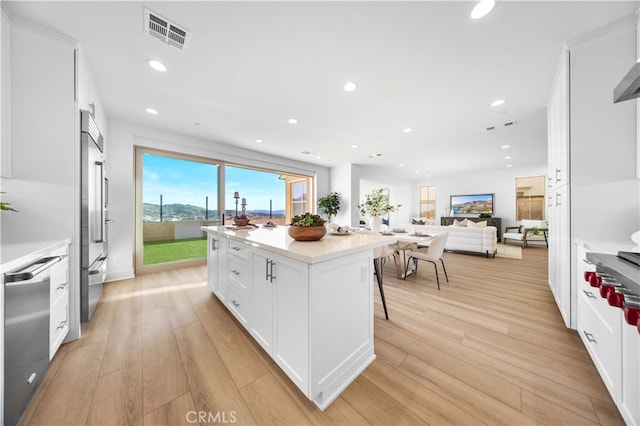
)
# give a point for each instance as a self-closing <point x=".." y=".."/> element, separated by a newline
<point x="31" y="270"/>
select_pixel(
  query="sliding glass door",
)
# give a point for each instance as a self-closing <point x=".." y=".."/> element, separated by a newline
<point x="177" y="194"/>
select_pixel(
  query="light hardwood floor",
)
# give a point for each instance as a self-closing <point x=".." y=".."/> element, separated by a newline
<point x="488" y="348"/>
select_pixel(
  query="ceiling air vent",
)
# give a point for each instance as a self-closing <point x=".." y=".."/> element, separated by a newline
<point x="165" y="30"/>
<point x="509" y="123"/>
<point x="491" y="128"/>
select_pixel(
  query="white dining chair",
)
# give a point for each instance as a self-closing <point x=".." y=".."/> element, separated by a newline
<point x="433" y="254"/>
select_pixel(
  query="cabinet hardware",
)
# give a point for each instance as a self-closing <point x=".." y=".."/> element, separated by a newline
<point x="589" y="337"/>
<point x="549" y="204"/>
<point x="235" y="248"/>
<point x="557" y="178"/>
<point x="236" y="304"/>
<point x="558" y="203"/>
<point x="31" y="378"/>
<point x="62" y="324"/>
<point x="235" y="272"/>
<point x="270" y="276"/>
<point x="589" y="294"/>
<point x="62" y="286"/>
<point x="550" y="184"/>
<point x="213" y="244"/>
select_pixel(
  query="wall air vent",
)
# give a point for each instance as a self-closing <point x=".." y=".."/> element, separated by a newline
<point x="165" y="30"/>
<point x="509" y="123"/>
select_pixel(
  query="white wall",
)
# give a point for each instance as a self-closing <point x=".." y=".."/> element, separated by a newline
<point x="605" y="196"/>
<point x="501" y="183"/>
<point x="124" y="136"/>
<point x="342" y="183"/>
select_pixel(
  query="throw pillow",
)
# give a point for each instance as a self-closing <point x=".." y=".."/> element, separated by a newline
<point x="481" y="224"/>
<point x="462" y="223"/>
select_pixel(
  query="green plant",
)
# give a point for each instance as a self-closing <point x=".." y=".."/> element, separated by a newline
<point x="307" y="219"/>
<point x="377" y="204"/>
<point x="329" y="205"/>
<point x="6" y="206"/>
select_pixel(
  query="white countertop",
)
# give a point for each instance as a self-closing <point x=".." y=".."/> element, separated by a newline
<point x="277" y="240"/>
<point x="16" y="255"/>
<point x="608" y="246"/>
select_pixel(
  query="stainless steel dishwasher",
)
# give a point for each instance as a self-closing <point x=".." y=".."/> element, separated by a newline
<point x="26" y="334"/>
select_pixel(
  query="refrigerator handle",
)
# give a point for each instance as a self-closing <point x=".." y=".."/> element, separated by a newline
<point x="100" y="166"/>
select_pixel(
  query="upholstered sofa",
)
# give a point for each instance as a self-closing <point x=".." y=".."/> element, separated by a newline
<point x="462" y="238"/>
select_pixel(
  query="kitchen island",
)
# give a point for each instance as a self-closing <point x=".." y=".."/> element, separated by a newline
<point x="309" y="304"/>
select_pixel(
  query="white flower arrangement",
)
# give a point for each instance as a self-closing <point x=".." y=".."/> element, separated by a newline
<point x="377" y="204"/>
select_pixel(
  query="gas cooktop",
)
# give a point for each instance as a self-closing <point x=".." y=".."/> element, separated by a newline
<point x="630" y="256"/>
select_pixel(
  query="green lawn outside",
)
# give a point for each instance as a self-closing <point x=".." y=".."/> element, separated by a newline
<point x="171" y="251"/>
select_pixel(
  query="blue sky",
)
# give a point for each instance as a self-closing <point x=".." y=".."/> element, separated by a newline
<point x="189" y="182"/>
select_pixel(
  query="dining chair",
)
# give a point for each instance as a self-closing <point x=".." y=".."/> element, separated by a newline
<point x="433" y="254"/>
<point x="380" y="255"/>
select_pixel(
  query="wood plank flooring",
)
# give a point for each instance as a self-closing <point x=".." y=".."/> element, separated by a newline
<point x="488" y="348"/>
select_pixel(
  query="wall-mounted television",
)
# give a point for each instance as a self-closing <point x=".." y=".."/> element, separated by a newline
<point x="472" y="204"/>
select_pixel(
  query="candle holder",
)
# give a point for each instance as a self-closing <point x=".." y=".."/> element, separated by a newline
<point x="236" y="195"/>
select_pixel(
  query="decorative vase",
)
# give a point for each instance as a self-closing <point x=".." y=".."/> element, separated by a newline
<point x="375" y="223"/>
<point x="307" y="233"/>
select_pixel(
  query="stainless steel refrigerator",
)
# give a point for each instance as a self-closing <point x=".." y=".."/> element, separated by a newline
<point x="94" y="203"/>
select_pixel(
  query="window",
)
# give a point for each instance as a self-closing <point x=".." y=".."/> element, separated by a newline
<point x="428" y="202"/>
<point x="530" y="198"/>
<point x="298" y="195"/>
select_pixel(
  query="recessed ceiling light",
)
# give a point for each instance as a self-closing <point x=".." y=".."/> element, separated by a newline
<point x="482" y="8"/>
<point x="350" y="86"/>
<point x="157" y="65"/>
<point x="318" y="157"/>
<point x="354" y="146"/>
<point x="292" y="121"/>
<point x="151" y="111"/>
<point x="416" y="171"/>
<point x="506" y="146"/>
<point x="401" y="165"/>
<point x="428" y="175"/>
<point x="509" y="165"/>
<point x="507" y="158"/>
<point x="258" y="140"/>
<point x="498" y="102"/>
<point x="408" y="129"/>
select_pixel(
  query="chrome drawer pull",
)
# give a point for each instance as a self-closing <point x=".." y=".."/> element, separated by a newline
<point x="235" y="248"/>
<point x="589" y="294"/>
<point x="236" y="304"/>
<point x="62" y="286"/>
<point x="235" y="272"/>
<point x="590" y="337"/>
<point x="62" y="324"/>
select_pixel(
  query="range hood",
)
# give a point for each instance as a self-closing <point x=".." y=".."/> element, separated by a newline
<point x="629" y="87"/>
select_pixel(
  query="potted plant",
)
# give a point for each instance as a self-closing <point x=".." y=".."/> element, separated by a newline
<point x="6" y="206"/>
<point x="375" y="205"/>
<point x="307" y="227"/>
<point x="329" y="205"/>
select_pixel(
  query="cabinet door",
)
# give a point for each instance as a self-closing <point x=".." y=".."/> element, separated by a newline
<point x="560" y="253"/>
<point x="216" y="266"/>
<point x="261" y="296"/>
<point x="291" y="319"/>
<point x="558" y="127"/>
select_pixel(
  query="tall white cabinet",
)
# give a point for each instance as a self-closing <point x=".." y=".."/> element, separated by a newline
<point x="559" y="191"/>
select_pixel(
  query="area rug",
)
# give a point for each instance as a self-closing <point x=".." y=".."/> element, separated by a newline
<point x="512" y="252"/>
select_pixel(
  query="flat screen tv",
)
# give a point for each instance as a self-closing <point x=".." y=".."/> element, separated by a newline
<point x="472" y="204"/>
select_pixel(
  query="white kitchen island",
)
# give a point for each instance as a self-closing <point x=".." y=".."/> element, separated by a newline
<point x="309" y="304"/>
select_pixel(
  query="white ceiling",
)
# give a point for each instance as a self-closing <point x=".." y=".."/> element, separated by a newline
<point x="250" y="66"/>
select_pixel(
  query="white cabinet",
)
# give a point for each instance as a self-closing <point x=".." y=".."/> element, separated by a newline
<point x="315" y="320"/>
<point x="59" y="300"/>
<point x="216" y="266"/>
<point x="262" y="299"/>
<point x="560" y="251"/>
<point x="629" y="404"/>
<point x="558" y="127"/>
<point x="558" y="209"/>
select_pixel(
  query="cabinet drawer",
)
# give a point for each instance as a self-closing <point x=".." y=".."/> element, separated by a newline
<point x="59" y="280"/>
<point x="602" y="338"/>
<point x="58" y="324"/>
<point x="238" y="304"/>
<point x="238" y="271"/>
<point x="238" y="249"/>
